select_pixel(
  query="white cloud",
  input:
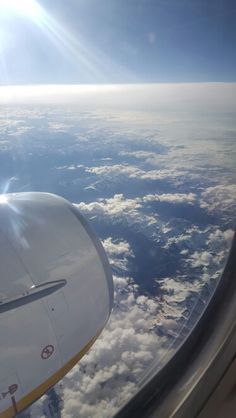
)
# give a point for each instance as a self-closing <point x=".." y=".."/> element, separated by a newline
<point x="171" y="198"/>
<point x="69" y="167"/>
<point x="59" y="126"/>
<point x="199" y="259"/>
<point x="119" y="210"/>
<point x="120" y="207"/>
<point x="109" y="374"/>
<point x="116" y="169"/>
<point x="118" y="252"/>
<point x="219" y="239"/>
<point x="20" y="131"/>
<point x="116" y="248"/>
<point x="192" y="96"/>
<point x="177" y="290"/>
<point x="169" y="174"/>
<point x="220" y="199"/>
<point x="133" y="172"/>
<point x="193" y="237"/>
<point x="138" y="154"/>
<point x="116" y="206"/>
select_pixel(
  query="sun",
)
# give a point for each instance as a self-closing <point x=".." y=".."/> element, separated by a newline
<point x="3" y="199"/>
<point x="27" y="8"/>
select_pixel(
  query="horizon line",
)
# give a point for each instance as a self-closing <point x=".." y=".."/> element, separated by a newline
<point x="119" y="83"/>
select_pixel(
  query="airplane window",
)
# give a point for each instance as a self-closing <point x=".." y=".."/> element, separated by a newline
<point x="126" y="109"/>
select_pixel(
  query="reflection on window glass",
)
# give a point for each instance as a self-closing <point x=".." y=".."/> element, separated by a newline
<point x="151" y="166"/>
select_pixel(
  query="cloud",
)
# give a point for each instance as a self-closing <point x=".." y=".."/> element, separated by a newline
<point x="199" y="259"/>
<point x="137" y="214"/>
<point x="213" y="97"/>
<point x="220" y="199"/>
<point x="59" y="126"/>
<point x="116" y="169"/>
<point x="20" y="131"/>
<point x="189" y="198"/>
<point x="109" y="374"/>
<point x="116" y="248"/>
<point x="219" y="239"/>
<point x="119" y="210"/>
<point x="119" y="253"/>
<point x="176" y="290"/>
<point x="133" y="172"/>
<point x="138" y="154"/>
<point x="169" y="174"/>
<point x="69" y="167"/>
<point x="115" y="206"/>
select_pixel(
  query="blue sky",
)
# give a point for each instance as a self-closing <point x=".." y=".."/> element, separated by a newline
<point x="117" y="41"/>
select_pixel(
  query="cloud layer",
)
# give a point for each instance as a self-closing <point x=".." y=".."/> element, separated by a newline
<point x="158" y="187"/>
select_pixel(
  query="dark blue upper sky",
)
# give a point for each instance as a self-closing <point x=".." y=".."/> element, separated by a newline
<point x="94" y="41"/>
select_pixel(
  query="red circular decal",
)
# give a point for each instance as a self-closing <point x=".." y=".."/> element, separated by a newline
<point x="47" y="352"/>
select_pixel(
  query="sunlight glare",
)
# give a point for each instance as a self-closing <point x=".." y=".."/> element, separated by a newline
<point x="27" y="8"/>
<point x="3" y="199"/>
<point x="73" y="48"/>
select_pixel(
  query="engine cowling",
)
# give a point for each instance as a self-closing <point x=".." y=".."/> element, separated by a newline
<point x="56" y="294"/>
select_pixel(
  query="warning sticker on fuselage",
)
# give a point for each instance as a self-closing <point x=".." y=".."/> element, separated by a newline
<point x="10" y="392"/>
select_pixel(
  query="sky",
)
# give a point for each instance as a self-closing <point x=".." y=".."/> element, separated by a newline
<point x="108" y="153"/>
<point x="111" y="41"/>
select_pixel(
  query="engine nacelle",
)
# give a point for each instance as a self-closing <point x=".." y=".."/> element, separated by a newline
<point x="56" y="294"/>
